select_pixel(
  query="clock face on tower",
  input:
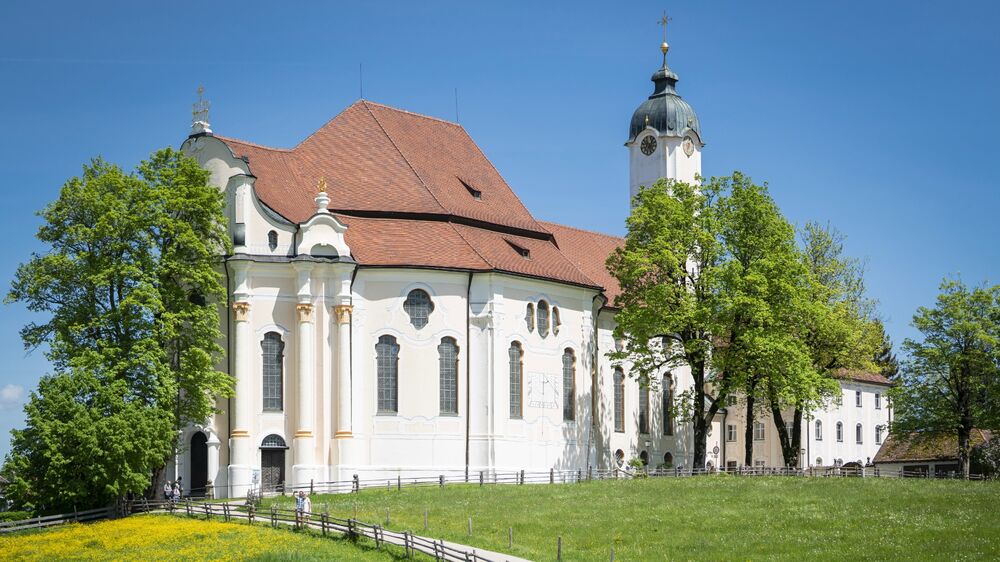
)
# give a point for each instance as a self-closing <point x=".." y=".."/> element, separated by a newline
<point x="648" y="145"/>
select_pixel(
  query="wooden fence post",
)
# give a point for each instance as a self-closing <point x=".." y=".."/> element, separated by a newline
<point x="312" y="489"/>
<point x="250" y="516"/>
<point x="558" y="548"/>
<point x="356" y="484"/>
<point x="579" y="474"/>
<point x="552" y="476"/>
<point x="399" y="483"/>
<point x="480" y="478"/>
<point x="441" y="480"/>
<point x="522" y="476"/>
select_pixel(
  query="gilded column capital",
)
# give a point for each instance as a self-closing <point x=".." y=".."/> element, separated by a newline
<point x="241" y="310"/>
<point x="305" y="311"/>
<point x="343" y="312"/>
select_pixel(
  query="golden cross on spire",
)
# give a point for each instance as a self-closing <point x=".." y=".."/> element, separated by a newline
<point x="321" y="185"/>
<point x="664" y="47"/>
<point x="664" y="21"/>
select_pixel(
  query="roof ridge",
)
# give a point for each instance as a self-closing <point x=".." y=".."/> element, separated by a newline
<point x="328" y="121"/>
<point x="413" y="113"/>
<point x="471" y="245"/>
<point x="403" y="156"/>
<point x="578" y="229"/>
<point x="224" y="138"/>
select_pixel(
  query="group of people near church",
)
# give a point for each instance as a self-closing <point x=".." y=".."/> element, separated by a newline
<point x="172" y="490"/>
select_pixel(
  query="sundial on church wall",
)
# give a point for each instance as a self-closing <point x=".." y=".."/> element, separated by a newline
<point x="544" y="391"/>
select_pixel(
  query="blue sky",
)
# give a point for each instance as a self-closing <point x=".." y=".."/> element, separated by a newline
<point x="879" y="117"/>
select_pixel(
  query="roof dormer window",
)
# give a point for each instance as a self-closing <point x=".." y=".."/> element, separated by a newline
<point x="521" y="250"/>
<point x="475" y="193"/>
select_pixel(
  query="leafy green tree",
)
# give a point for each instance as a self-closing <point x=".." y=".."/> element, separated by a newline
<point x="951" y="379"/>
<point x="837" y="329"/>
<point x="761" y="298"/>
<point x="668" y="294"/>
<point x="128" y="289"/>
<point x="706" y="274"/>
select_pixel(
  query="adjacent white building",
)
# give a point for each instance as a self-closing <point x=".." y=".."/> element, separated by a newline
<point x="394" y="309"/>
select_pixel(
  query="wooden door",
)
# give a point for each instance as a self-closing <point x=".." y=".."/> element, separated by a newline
<point x="272" y="469"/>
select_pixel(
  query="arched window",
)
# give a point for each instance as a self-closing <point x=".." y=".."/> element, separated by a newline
<point x="516" y="356"/>
<point x="418" y="306"/>
<point x="273" y="442"/>
<point x="387" y="359"/>
<point x="569" y="385"/>
<point x="619" y="400"/>
<point x="819" y="430"/>
<point x="272" y="240"/>
<point x="556" y="321"/>
<point x="543" y="318"/>
<point x="643" y="408"/>
<point x="858" y="434"/>
<point x="448" y="375"/>
<point x="529" y="317"/>
<point x="840" y="432"/>
<point x="668" y="460"/>
<point x="644" y="457"/>
<point x="878" y="434"/>
<point x="819" y="461"/>
<point x="619" y="458"/>
<point x="272" y="349"/>
<point x="668" y="405"/>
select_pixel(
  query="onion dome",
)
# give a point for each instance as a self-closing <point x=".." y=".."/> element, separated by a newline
<point x="665" y="110"/>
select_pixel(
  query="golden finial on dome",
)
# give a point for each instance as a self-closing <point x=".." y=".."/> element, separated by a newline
<point x="322" y="185"/>
<point x="664" y="47"/>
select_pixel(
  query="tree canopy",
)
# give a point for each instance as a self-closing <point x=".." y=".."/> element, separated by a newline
<point x="128" y="292"/>
<point x="950" y="380"/>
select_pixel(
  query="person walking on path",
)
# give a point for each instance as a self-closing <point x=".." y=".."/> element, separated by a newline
<point x="177" y="491"/>
<point x="307" y="507"/>
<point x="168" y="491"/>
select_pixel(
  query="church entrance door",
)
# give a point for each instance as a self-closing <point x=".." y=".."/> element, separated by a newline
<point x="272" y="471"/>
<point x="199" y="464"/>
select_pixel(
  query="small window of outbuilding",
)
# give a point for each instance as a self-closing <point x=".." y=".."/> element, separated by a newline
<point x="272" y="240"/>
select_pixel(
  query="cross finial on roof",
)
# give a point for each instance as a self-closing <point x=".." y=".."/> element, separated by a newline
<point x="663" y="22"/>
<point x="321" y="185"/>
<point x="199" y="113"/>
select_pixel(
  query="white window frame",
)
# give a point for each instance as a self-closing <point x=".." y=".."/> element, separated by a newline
<point x="758" y="431"/>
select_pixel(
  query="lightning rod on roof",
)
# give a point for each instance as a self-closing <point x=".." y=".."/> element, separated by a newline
<point x="456" y="105"/>
<point x="361" y="80"/>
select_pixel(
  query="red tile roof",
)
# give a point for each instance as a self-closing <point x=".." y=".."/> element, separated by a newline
<point x="589" y="251"/>
<point x="399" y="181"/>
<point x="861" y="376"/>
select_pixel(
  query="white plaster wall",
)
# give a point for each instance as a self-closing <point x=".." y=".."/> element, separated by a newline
<point x="667" y="161"/>
<point x="827" y="449"/>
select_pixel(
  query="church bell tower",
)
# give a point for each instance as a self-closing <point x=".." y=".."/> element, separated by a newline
<point x="664" y="138"/>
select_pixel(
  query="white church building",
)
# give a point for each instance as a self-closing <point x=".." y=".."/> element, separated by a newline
<point x="394" y="309"/>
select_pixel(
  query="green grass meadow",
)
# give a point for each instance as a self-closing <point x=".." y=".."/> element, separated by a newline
<point x="705" y="518"/>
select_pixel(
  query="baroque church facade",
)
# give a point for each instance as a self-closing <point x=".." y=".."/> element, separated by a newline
<point x="394" y="309"/>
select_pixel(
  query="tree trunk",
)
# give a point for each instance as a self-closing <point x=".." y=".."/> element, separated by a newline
<point x="784" y="439"/>
<point x="748" y="433"/>
<point x="700" y="433"/>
